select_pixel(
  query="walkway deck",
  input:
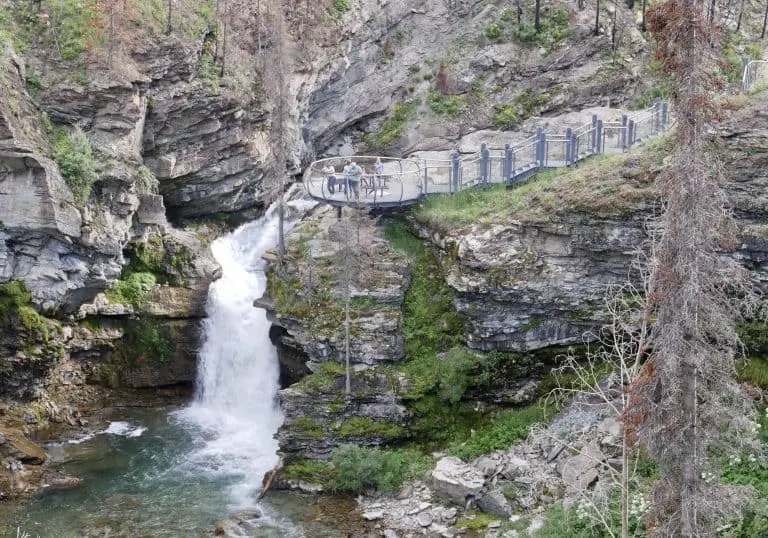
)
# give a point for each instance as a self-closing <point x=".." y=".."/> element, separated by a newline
<point x="407" y="181"/>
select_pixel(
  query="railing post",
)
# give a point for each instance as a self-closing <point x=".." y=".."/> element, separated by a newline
<point x="656" y="115"/>
<point x="623" y="137"/>
<point x="599" y="136"/>
<point x="630" y="133"/>
<point x="541" y="151"/>
<point x="745" y="82"/>
<point x="568" y="135"/>
<point x="594" y="133"/>
<point x="455" y="170"/>
<point x="485" y="163"/>
<point x="574" y="148"/>
<point x="508" y="156"/>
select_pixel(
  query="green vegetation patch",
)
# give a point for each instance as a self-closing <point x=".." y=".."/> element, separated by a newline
<point x="392" y="128"/>
<point x="475" y="520"/>
<point x="133" y="290"/>
<point x="328" y="377"/>
<point x="359" y="469"/>
<point x="450" y="106"/>
<point x="605" y="185"/>
<point x="74" y="155"/>
<point x="354" y="469"/>
<point x="146" y="340"/>
<point x="16" y="308"/>
<point x="366" y="427"/>
<point x="553" y="29"/>
<point x="504" y="428"/>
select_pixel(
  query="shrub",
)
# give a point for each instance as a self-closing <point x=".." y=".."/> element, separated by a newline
<point x="358" y="469"/>
<point x="447" y="105"/>
<point x="133" y="290"/>
<point x="505" y="117"/>
<point x="74" y="155"/>
<point x="146" y="182"/>
<point x="209" y="72"/>
<point x="392" y="128"/>
<point x="342" y="6"/>
<point x="493" y="31"/>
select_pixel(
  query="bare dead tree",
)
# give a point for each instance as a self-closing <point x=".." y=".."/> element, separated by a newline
<point x="275" y="74"/>
<point x="686" y="398"/>
<point x="622" y="345"/>
<point x="169" y="26"/>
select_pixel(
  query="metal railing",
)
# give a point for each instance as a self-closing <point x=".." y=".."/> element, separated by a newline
<point x="406" y="181"/>
<point x="755" y="72"/>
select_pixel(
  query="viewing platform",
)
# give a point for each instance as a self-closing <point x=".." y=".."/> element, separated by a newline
<point x="402" y="182"/>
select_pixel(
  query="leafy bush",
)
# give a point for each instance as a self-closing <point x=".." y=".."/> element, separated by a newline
<point x="74" y="155"/>
<point x="505" y="117"/>
<point x="341" y="6"/>
<point x="358" y="469"/>
<point x="146" y="182"/>
<point x="493" y="31"/>
<point x="133" y="290"/>
<point x="447" y="105"/>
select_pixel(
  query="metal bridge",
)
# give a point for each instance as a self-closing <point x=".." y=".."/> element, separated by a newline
<point x="407" y="181"/>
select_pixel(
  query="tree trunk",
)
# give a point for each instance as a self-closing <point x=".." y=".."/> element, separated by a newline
<point x="765" y="20"/>
<point x="643" y="26"/>
<point x="597" y="18"/>
<point x="348" y="381"/>
<point x="169" y="27"/>
<point x="224" y="38"/>
<point x="111" y="50"/>
<point x="741" y="14"/>
<point x="519" y="13"/>
<point x="538" y="16"/>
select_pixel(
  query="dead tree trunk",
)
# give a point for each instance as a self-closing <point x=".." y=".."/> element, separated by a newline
<point x="537" y="23"/>
<point x="687" y="397"/>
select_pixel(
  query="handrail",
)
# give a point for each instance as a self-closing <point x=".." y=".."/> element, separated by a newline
<point x="409" y="180"/>
<point x="750" y="73"/>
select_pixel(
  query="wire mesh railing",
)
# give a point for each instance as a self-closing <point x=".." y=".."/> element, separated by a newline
<point x="387" y="182"/>
<point x="755" y="74"/>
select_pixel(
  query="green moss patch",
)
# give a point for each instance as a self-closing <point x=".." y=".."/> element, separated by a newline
<point x="366" y="427"/>
<point x="16" y="309"/>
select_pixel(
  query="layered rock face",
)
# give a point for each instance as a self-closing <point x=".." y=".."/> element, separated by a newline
<point x="329" y="257"/>
<point x="540" y="279"/>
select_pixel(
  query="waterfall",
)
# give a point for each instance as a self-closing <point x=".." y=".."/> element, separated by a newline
<point x="235" y="412"/>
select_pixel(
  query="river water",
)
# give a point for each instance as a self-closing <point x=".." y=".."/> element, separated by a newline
<point x="169" y="473"/>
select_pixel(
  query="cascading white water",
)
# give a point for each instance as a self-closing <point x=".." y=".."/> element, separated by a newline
<point x="235" y="407"/>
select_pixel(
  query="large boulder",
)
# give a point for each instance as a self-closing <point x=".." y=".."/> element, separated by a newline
<point x="14" y="445"/>
<point x="457" y="481"/>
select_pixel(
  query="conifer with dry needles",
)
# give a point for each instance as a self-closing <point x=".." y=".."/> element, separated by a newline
<point x="687" y="399"/>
